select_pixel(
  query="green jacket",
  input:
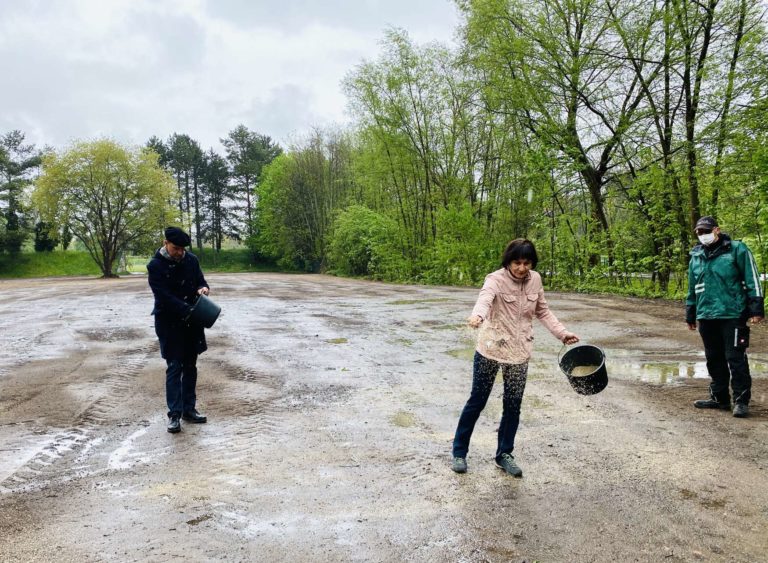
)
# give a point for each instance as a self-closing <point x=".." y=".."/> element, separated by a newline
<point x="723" y="282"/>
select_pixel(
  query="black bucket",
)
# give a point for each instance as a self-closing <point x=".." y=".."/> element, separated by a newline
<point x="580" y="356"/>
<point x="204" y="311"/>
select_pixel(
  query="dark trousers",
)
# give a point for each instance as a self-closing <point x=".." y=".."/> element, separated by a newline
<point x="483" y="376"/>
<point x="725" y="361"/>
<point x="180" y="382"/>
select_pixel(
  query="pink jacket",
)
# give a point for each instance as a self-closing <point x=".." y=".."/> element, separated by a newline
<point x="507" y="306"/>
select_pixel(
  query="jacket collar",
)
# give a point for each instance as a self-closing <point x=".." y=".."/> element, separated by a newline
<point x="724" y="246"/>
<point x="163" y="253"/>
<point x="509" y="276"/>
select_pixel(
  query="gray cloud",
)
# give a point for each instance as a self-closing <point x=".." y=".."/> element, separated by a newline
<point x="130" y="69"/>
<point x="362" y="15"/>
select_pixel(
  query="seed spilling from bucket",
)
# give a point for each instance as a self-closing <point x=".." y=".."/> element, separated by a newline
<point x="583" y="371"/>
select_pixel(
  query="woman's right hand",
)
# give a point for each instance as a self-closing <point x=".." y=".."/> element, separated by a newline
<point x="475" y="321"/>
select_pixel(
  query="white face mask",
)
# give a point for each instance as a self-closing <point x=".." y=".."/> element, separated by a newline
<point x="707" y="239"/>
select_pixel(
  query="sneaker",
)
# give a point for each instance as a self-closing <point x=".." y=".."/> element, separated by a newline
<point x="459" y="465"/>
<point x="174" y="425"/>
<point x="507" y="463"/>
<point x="711" y="404"/>
<point x="740" y="410"/>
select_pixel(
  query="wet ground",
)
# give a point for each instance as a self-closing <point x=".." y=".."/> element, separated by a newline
<point x="332" y="405"/>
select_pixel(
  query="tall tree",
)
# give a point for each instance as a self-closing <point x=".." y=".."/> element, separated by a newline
<point x="184" y="157"/>
<point x="17" y="163"/>
<point x="217" y="190"/>
<point x="112" y="198"/>
<point x="300" y="194"/>
<point x="248" y="152"/>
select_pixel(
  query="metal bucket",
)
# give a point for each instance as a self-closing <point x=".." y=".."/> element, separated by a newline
<point x="204" y="311"/>
<point x="590" y="382"/>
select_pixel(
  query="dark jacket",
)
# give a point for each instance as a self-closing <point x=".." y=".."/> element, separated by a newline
<point x="175" y="286"/>
<point x="723" y="282"/>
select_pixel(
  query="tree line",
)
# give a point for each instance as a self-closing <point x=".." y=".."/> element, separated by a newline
<point x="599" y="129"/>
<point x="115" y="199"/>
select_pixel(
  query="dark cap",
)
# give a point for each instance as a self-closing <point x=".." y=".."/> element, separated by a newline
<point x="177" y="236"/>
<point x="706" y="222"/>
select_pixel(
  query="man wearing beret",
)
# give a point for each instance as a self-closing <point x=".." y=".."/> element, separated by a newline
<point x="724" y="291"/>
<point x="176" y="280"/>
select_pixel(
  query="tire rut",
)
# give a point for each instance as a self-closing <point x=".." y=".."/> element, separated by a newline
<point x="69" y="455"/>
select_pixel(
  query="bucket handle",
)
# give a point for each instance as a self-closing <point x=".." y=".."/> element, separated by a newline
<point x="560" y="353"/>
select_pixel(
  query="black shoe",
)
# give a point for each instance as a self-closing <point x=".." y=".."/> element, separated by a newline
<point x="507" y="463"/>
<point x="740" y="410"/>
<point x="174" y="425"/>
<point x="711" y="404"/>
<point x="194" y="417"/>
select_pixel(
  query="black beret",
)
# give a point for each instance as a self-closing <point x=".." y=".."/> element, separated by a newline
<point x="706" y="222"/>
<point x="177" y="236"/>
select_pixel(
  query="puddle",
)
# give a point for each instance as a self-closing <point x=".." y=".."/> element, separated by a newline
<point x="665" y="373"/>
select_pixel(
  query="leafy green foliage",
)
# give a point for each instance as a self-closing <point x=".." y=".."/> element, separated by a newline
<point x="17" y="162"/>
<point x="364" y="243"/>
<point x="43" y="240"/>
<point x="112" y="198"/>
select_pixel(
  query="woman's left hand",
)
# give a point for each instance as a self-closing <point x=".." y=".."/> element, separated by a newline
<point x="570" y="338"/>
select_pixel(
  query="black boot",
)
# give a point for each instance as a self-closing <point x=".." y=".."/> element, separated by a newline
<point x="740" y="410"/>
<point x="173" y="424"/>
<point x="194" y="416"/>
<point x="711" y="404"/>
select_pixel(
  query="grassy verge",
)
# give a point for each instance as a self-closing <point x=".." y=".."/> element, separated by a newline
<point x="230" y="260"/>
<point x="47" y="264"/>
<point x="77" y="263"/>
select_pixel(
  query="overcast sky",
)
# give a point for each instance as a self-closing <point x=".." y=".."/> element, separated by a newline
<point x="130" y="69"/>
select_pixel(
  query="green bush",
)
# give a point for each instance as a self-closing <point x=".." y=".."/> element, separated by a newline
<point x="463" y="252"/>
<point x="364" y="243"/>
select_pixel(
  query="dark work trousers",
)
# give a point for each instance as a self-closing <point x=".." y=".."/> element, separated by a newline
<point x="180" y="382"/>
<point x="725" y="361"/>
<point x="483" y="376"/>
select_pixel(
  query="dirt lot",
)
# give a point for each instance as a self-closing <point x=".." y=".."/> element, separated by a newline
<point x="332" y="405"/>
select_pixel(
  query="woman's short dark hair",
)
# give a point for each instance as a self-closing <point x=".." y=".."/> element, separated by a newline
<point x="519" y="249"/>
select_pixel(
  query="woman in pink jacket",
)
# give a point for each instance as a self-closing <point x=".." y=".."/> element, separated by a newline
<point x="504" y="311"/>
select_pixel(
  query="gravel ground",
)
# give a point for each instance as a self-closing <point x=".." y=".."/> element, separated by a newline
<point x="332" y="405"/>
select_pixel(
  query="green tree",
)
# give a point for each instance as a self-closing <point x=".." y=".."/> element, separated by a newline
<point x="365" y="243"/>
<point x="17" y="163"/>
<point x="218" y="220"/>
<point x="111" y="197"/>
<point x="298" y="198"/>
<point x="43" y="240"/>
<point x="248" y="152"/>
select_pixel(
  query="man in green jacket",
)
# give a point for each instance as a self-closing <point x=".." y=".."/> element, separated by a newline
<point x="724" y="291"/>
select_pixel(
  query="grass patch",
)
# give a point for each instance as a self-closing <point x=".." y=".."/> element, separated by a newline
<point x="47" y="264"/>
<point x="232" y="260"/>
<point x="229" y="260"/>
<point x="462" y="353"/>
<point x="337" y="341"/>
<point x="403" y="419"/>
<point x="79" y="263"/>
